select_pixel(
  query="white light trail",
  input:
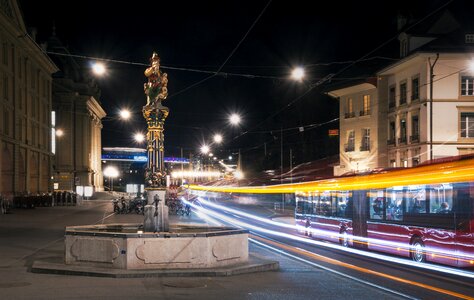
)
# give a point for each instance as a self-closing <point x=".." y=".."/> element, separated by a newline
<point x="401" y="261"/>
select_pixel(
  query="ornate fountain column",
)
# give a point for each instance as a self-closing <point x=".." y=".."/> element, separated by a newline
<point x="156" y="212"/>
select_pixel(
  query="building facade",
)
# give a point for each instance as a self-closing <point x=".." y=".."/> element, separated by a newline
<point x="25" y="108"/>
<point x="361" y="124"/>
<point x="78" y="122"/>
<point x="423" y="104"/>
<point x="410" y="140"/>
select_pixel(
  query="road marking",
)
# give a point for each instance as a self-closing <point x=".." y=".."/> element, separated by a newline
<point x="353" y="267"/>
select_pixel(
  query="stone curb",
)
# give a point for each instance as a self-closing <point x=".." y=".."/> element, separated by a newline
<point x="254" y="265"/>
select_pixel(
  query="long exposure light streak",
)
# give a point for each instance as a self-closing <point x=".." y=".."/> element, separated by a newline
<point x="361" y="240"/>
<point x="401" y="261"/>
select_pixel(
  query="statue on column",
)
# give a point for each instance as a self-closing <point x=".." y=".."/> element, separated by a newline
<point x="156" y="88"/>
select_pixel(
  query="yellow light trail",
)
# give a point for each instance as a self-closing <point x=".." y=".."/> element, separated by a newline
<point x="457" y="171"/>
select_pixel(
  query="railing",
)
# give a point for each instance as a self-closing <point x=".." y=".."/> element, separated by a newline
<point x="364" y="112"/>
<point x="402" y="140"/>
<point x="365" y="147"/>
<point x="349" y="115"/>
<point x="414" y="138"/>
<point x="349" y="147"/>
<point x="391" y="142"/>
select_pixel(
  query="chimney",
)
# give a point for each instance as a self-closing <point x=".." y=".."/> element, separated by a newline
<point x="401" y="21"/>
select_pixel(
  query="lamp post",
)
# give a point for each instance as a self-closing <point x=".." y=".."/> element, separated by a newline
<point x="112" y="173"/>
<point x="431" y="102"/>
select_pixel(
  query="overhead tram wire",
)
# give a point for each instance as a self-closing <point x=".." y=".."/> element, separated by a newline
<point x="228" y="57"/>
<point x="330" y="76"/>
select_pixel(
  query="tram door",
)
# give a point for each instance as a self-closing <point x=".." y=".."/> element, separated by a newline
<point x="359" y="218"/>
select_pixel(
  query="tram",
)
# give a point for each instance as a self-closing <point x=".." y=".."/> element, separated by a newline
<point x="425" y="212"/>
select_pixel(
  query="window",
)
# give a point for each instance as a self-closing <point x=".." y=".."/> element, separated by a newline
<point x="441" y="198"/>
<point x="350" y="146"/>
<point x="394" y="204"/>
<point x="391" y="133"/>
<point x="467" y="85"/>
<point x="325" y="204"/>
<point x="469" y="38"/>
<point x="377" y="204"/>
<point x="415" y="129"/>
<point x="391" y="97"/>
<point x="467" y="124"/>
<point x="5" y="87"/>
<point x="403" y="131"/>
<point x="5" y="53"/>
<point x="403" y="93"/>
<point x="415" y="88"/>
<point x="365" y="145"/>
<point x="349" y="109"/>
<point x="365" y="106"/>
<point x="415" y="202"/>
<point x="6" y="121"/>
<point x="344" y="204"/>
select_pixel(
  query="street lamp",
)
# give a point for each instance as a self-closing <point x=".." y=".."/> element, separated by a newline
<point x="125" y="114"/>
<point x="139" y="137"/>
<point x="297" y="74"/>
<point x="234" y="119"/>
<point x="218" y="138"/>
<point x="112" y="173"/>
<point x="205" y="149"/>
<point x="59" y="132"/>
<point x="98" y="68"/>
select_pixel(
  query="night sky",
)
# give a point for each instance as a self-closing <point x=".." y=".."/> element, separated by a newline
<point x="201" y="35"/>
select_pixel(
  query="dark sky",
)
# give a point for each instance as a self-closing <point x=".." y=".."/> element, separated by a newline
<point x="201" y="35"/>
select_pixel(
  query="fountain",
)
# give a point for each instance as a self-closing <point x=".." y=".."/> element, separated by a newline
<point x="155" y="245"/>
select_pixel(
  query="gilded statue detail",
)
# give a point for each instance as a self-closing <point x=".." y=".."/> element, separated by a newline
<point x="156" y="88"/>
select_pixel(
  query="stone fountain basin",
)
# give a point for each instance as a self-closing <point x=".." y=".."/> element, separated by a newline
<point x="124" y="246"/>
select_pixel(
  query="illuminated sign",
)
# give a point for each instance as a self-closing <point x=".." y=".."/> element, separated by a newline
<point x="140" y="158"/>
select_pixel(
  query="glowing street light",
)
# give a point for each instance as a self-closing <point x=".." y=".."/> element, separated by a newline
<point x="98" y="68"/>
<point x="297" y="74"/>
<point x="112" y="173"/>
<point x="230" y="157"/>
<point x="125" y="114"/>
<point x="205" y="149"/>
<point x="59" y="132"/>
<point x="234" y="119"/>
<point x="218" y="138"/>
<point x="139" y="137"/>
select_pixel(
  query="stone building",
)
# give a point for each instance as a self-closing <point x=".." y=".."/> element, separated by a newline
<point x="421" y="107"/>
<point x="78" y="126"/>
<point x="25" y="107"/>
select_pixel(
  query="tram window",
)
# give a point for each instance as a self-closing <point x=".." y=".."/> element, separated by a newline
<point x="377" y="204"/>
<point x="314" y="202"/>
<point x="394" y="204"/>
<point x="300" y="200"/>
<point x="415" y="202"/>
<point x="344" y="204"/>
<point x="324" y="207"/>
<point x="441" y="198"/>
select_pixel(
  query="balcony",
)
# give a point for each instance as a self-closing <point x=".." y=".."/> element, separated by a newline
<point x="365" y="147"/>
<point x="349" y="148"/>
<point x="349" y="115"/>
<point x="391" y="141"/>
<point x="415" y="138"/>
<point x="364" y="112"/>
<point x="402" y="140"/>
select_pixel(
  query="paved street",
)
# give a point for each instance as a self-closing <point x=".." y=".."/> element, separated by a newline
<point x="37" y="234"/>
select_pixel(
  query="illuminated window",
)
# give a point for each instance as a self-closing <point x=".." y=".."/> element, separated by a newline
<point x="350" y="146"/>
<point x="365" y="106"/>
<point x="467" y="85"/>
<point x="403" y="93"/>
<point x="365" y="145"/>
<point x="467" y="124"/>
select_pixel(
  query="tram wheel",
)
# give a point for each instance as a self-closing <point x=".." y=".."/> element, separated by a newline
<point x="417" y="252"/>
